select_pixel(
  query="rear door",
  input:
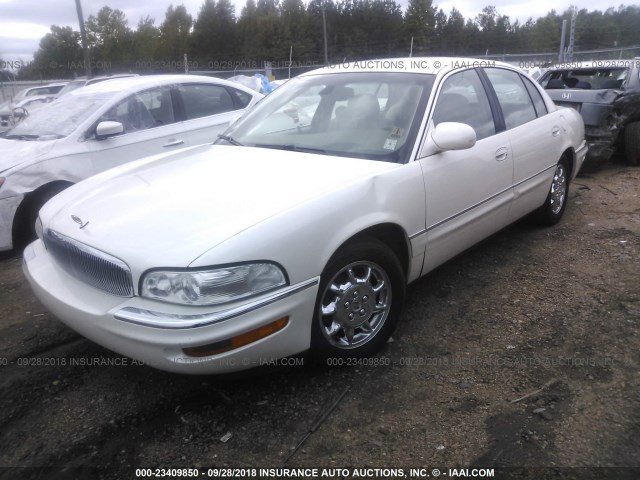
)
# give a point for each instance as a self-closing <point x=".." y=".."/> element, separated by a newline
<point x="208" y="109"/>
<point x="535" y="135"/>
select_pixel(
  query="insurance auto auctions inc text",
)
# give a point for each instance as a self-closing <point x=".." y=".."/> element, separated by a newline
<point x="344" y="473"/>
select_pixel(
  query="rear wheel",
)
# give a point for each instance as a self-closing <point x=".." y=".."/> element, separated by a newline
<point x="632" y="143"/>
<point x="359" y="301"/>
<point x="553" y="208"/>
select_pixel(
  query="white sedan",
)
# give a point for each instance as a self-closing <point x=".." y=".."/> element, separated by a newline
<point x="302" y="227"/>
<point x="100" y="126"/>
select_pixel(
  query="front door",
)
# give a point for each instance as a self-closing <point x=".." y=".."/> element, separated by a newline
<point x="468" y="192"/>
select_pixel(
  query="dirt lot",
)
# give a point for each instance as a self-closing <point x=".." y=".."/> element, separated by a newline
<point x="552" y="309"/>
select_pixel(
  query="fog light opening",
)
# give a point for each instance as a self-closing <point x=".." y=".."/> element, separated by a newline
<point x="237" y="341"/>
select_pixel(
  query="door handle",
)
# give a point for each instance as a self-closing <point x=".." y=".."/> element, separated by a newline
<point x="502" y="154"/>
<point x="173" y="143"/>
<point x="555" y="132"/>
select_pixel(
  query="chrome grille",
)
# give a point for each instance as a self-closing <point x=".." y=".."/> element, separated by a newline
<point x="90" y="265"/>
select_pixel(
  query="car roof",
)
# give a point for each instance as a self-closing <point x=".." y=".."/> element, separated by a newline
<point x="429" y="65"/>
<point x="133" y="84"/>
<point x="102" y="78"/>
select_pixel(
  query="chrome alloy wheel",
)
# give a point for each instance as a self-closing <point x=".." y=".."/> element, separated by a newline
<point x="355" y="305"/>
<point x="558" y="189"/>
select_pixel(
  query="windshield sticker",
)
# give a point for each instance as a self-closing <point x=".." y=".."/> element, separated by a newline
<point x="390" y="144"/>
<point x="397" y="132"/>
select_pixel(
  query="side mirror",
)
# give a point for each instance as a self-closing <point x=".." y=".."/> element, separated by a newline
<point x="449" y="136"/>
<point x="108" y="129"/>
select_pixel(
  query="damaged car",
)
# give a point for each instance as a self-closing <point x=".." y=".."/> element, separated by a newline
<point x="302" y="226"/>
<point x="101" y="126"/>
<point x="607" y="95"/>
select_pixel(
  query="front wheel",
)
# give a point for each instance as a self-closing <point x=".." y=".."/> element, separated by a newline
<point x="359" y="301"/>
<point x="551" y="211"/>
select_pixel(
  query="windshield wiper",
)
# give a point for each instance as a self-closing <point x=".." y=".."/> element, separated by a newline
<point x="229" y="139"/>
<point x="291" y="147"/>
<point x="22" y="137"/>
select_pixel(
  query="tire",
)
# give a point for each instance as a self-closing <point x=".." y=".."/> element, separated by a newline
<point x="632" y="143"/>
<point x="359" y="302"/>
<point x="555" y="204"/>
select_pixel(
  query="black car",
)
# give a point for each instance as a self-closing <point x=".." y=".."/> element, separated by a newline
<point x="607" y="95"/>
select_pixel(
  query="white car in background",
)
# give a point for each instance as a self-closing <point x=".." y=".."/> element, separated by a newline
<point x="302" y="226"/>
<point x="32" y="96"/>
<point x="13" y="114"/>
<point x="50" y="89"/>
<point x="100" y="126"/>
<point x="85" y="82"/>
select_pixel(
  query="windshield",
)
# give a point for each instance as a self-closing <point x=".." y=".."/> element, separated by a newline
<point x="586" y="78"/>
<point x="364" y="115"/>
<point x="58" y="119"/>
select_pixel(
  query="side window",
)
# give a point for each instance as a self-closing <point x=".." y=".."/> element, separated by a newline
<point x="201" y="100"/>
<point x="143" y="110"/>
<point x="514" y="99"/>
<point x="538" y="102"/>
<point x="242" y="98"/>
<point x="463" y="99"/>
<point x="159" y="105"/>
<point x="37" y="91"/>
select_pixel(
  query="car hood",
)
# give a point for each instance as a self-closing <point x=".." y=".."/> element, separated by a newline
<point x="16" y="152"/>
<point x="169" y="211"/>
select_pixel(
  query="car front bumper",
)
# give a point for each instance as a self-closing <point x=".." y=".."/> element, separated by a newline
<point x="157" y="333"/>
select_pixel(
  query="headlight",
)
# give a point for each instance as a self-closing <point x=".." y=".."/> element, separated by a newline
<point x="212" y="286"/>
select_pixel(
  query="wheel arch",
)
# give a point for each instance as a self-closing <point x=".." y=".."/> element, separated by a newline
<point x="570" y="155"/>
<point x="24" y="209"/>
<point x="392" y="235"/>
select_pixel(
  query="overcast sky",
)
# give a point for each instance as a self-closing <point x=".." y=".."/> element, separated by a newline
<point x="24" y="22"/>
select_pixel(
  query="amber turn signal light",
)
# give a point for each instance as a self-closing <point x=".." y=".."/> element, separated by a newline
<point x="238" y="341"/>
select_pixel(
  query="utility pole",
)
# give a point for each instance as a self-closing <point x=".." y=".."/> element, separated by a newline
<point x="324" y="28"/>
<point x="572" y="35"/>
<point x="411" y="49"/>
<point x="83" y="34"/>
<point x="562" y="37"/>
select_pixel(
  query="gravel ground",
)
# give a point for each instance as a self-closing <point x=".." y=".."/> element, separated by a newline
<point x="522" y="352"/>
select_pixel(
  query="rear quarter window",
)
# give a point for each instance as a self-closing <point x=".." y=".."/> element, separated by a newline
<point x="242" y="99"/>
<point x="536" y="97"/>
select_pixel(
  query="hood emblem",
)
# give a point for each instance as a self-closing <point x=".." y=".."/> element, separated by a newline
<point x="79" y="221"/>
<point x="566" y="95"/>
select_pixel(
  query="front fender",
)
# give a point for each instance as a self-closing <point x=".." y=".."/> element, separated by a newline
<point x="303" y="238"/>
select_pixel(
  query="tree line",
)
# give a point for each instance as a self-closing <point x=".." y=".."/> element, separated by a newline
<point x="277" y="30"/>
